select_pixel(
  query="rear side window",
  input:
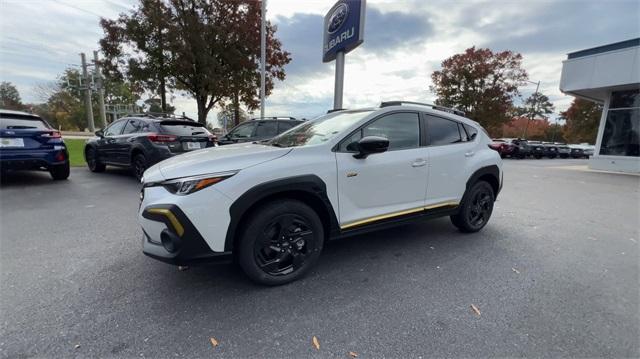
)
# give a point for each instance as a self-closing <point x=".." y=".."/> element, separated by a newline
<point x="442" y="131"/>
<point x="472" y="133"/>
<point x="183" y="128"/>
<point x="266" y="129"/>
<point x="8" y="122"/>
<point x="134" y="126"/>
<point x="286" y="125"/>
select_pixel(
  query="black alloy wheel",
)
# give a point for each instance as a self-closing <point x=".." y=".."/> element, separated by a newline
<point x="283" y="245"/>
<point x="139" y="165"/>
<point x="280" y="242"/>
<point x="93" y="163"/>
<point x="475" y="209"/>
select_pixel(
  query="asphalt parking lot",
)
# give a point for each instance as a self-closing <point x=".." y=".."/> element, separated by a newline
<point x="554" y="274"/>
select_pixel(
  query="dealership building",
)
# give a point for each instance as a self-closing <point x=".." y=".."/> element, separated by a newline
<point x="610" y="75"/>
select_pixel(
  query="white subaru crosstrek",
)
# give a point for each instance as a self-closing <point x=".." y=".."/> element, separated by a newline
<point x="272" y="205"/>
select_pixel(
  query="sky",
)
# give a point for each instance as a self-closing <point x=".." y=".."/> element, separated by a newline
<point x="404" y="42"/>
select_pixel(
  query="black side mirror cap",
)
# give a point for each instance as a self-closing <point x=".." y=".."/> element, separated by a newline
<point x="371" y="144"/>
<point x="99" y="133"/>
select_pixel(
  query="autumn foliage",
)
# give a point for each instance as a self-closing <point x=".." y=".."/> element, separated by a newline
<point x="481" y="83"/>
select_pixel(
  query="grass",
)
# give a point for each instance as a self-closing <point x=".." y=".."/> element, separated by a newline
<point x="75" y="148"/>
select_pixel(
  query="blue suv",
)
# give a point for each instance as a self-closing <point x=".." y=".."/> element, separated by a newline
<point x="27" y="142"/>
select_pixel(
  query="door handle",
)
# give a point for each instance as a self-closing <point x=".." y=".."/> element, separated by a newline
<point x="419" y="163"/>
<point x="470" y="153"/>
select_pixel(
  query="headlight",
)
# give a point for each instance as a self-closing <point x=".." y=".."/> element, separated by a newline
<point x="187" y="185"/>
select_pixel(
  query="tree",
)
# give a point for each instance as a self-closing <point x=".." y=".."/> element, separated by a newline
<point x="10" y="97"/>
<point x="134" y="47"/>
<point x="207" y="48"/>
<point x="534" y="107"/>
<point x="481" y="83"/>
<point x="233" y="116"/>
<point x="582" y="121"/>
<point x="155" y="106"/>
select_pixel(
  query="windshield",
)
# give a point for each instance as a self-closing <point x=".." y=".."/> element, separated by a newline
<point x="319" y="130"/>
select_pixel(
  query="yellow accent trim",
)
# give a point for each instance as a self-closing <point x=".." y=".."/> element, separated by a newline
<point x="396" y="214"/>
<point x="172" y="218"/>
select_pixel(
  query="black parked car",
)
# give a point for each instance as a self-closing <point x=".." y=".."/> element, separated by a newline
<point x="140" y="141"/>
<point x="259" y="129"/>
<point x="550" y="149"/>
<point x="536" y="149"/>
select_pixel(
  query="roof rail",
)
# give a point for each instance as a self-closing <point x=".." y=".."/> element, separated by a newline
<point x="160" y="115"/>
<point x="336" y="110"/>
<point x="274" y="118"/>
<point x="435" y="107"/>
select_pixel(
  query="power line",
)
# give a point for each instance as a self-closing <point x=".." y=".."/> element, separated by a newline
<point x="79" y="9"/>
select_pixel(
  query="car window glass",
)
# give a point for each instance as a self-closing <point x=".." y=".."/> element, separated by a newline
<point x="243" y="131"/>
<point x="286" y="125"/>
<point x="266" y="129"/>
<point x="114" y="129"/>
<point x="22" y="122"/>
<point x="183" y="128"/>
<point x="442" y="131"/>
<point x="401" y="129"/>
<point x="346" y="145"/>
<point x="132" y="126"/>
<point x="471" y="132"/>
<point x="463" y="133"/>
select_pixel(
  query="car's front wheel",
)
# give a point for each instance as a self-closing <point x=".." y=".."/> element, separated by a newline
<point x="475" y="209"/>
<point x="93" y="162"/>
<point x="282" y="240"/>
<point x="60" y="172"/>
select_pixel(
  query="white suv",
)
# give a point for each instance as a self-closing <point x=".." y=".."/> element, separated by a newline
<point x="272" y="205"/>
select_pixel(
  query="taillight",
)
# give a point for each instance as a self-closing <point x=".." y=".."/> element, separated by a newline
<point x="161" y="138"/>
<point x="52" y="134"/>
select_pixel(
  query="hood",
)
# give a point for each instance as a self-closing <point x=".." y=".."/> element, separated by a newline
<point x="212" y="160"/>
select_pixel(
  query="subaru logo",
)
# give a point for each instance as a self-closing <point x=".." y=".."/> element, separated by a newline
<point x="337" y="18"/>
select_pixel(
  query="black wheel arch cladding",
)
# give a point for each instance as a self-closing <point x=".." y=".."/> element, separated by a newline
<point x="490" y="174"/>
<point x="309" y="189"/>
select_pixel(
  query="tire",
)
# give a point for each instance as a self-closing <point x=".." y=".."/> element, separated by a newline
<point x="94" y="164"/>
<point x="281" y="242"/>
<point x="537" y="157"/>
<point x="476" y="208"/>
<point x="60" y="172"/>
<point x="138" y="165"/>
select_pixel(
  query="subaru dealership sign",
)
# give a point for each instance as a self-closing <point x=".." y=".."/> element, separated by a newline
<point x="343" y="28"/>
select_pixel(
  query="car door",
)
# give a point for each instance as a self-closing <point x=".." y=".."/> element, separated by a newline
<point x="107" y="143"/>
<point x="449" y="153"/>
<point x="124" y="141"/>
<point x="384" y="184"/>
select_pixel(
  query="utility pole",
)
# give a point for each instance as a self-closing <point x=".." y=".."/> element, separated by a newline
<point x="263" y="54"/>
<point x="533" y="110"/>
<point x="87" y="93"/>
<point x="100" y="88"/>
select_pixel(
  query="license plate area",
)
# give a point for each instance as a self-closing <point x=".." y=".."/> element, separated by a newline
<point x="189" y="146"/>
<point x="11" y="142"/>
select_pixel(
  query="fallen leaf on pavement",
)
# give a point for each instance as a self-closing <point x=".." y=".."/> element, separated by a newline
<point x="515" y="270"/>
<point x="214" y="342"/>
<point x="77" y="346"/>
<point x="315" y="342"/>
<point x="475" y="309"/>
<point x="181" y="268"/>
<point x="353" y="354"/>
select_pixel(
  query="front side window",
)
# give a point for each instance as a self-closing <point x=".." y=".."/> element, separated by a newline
<point x="244" y="130"/>
<point x="442" y="131"/>
<point x="319" y="130"/>
<point x="401" y="129"/>
<point x="115" y="128"/>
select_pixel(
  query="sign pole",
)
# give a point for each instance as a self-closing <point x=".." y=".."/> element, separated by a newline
<point x="263" y="52"/>
<point x="339" y="83"/>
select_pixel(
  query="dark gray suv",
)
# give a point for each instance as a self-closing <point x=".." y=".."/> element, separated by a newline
<point x="259" y="129"/>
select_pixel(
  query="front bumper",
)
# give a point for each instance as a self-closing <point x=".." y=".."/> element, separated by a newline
<point x="184" y="230"/>
<point x="179" y="243"/>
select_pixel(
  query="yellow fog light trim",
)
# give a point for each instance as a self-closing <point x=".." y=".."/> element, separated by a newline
<point x="172" y="218"/>
<point x="396" y="214"/>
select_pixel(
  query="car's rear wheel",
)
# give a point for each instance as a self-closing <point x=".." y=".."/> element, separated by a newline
<point x="94" y="164"/>
<point x="139" y="165"/>
<point x="60" y="172"/>
<point x="475" y="209"/>
<point x="281" y="242"/>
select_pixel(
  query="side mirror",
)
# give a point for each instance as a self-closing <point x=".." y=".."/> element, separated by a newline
<point x="99" y="133"/>
<point x="370" y="145"/>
